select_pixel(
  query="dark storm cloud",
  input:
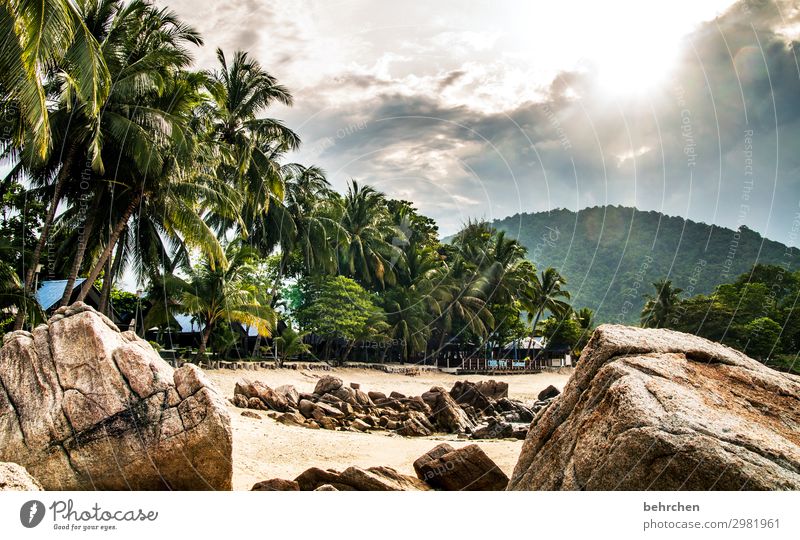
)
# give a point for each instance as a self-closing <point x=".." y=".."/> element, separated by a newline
<point x="680" y="149"/>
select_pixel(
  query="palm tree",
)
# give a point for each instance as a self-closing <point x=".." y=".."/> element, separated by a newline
<point x="544" y="293"/>
<point x="217" y="295"/>
<point x="659" y="309"/>
<point x="251" y="146"/>
<point x="41" y="43"/>
<point x="409" y="321"/>
<point x="363" y="250"/>
<point x="48" y="36"/>
<point x="289" y="343"/>
<point x="299" y="223"/>
<point x="138" y="130"/>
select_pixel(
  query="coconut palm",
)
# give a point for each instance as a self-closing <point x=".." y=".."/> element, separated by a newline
<point x="144" y="48"/>
<point x="659" y="309"/>
<point x="48" y="37"/>
<point x="363" y="249"/>
<point x="46" y="51"/>
<point x="215" y="295"/>
<point x="252" y="145"/>
<point x="289" y="343"/>
<point x="409" y="321"/>
<point x="544" y="293"/>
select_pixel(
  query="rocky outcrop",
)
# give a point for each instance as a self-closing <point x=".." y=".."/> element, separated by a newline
<point x="85" y="406"/>
<point x="468" y="393"/>
<point x="269" y="398"/>
<point x="357" y="479"/>
<point x="14" y="477"/>
<point x="327" y="384"/>
<point x="465" y="469"/>
<point x="661" y="410"/>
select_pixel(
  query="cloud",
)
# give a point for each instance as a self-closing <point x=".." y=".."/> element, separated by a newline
<point x="471" y="121"/>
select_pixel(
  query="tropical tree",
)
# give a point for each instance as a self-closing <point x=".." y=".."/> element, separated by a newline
<point x="337" y="309"/>
<point x="221" y="295"/>
<point x="659" y="309"/>
<point x="544" y="293"/>
<point x="251" y="146"/>
<point x="762" y="338"/>
<point x="367" y="241"/>
<point x="289" y="343"/>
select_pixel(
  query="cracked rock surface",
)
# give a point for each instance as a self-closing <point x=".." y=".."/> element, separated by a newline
<point x="654" y="409"/>
<point x="85" y="406"/>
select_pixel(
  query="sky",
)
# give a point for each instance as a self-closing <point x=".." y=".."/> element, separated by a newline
<point x="489" y="109"/>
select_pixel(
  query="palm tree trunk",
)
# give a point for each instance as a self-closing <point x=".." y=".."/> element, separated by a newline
<point x="112" y="242"/>
<point x="61" y="179"/>
<point x="77" y="261"/>
<point x="203" y="342"/>
<point x="257" y="346"/>
<point x="108" y="282"/>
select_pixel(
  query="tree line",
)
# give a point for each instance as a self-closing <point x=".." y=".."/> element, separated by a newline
<point x="122" y="158"/>
<point x="757" y="313"/>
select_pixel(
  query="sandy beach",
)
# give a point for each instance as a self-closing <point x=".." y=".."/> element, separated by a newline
<point x="264" y="449"/>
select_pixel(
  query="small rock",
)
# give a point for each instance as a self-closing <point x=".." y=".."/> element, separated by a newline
<point x="549" y="392"/>
<point x="357" y="479"/>
<point x="251" y="414"/>
<point x="276" y="484"/>
<point x="292" y="419"/>
<point x="290" y="393"/>
<point x="359" y="424"/>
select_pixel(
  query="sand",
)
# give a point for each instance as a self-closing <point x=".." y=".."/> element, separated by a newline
<point x="264" y="449"/>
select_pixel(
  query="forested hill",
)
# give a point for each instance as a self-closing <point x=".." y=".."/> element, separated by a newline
<point x="611" y="255"/>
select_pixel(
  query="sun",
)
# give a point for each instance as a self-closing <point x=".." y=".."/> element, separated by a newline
<point x="634" y="62"/>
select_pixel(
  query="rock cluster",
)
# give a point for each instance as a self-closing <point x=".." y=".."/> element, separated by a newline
<point x="442" y="468"/>
<point x="85" y="406"/>
<point x="466" y="409"/>
<point x="654" y="409"/>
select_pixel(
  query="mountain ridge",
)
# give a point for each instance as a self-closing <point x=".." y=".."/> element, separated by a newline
<point x="610" y="255"/>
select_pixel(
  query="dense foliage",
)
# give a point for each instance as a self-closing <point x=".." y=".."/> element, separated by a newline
<point x="758" y="313"/>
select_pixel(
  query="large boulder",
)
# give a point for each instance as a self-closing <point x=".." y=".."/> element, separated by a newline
<point x="357" y="479"/>
<point x="445" y="412"/>
<point x="662" y="410"/>
<point x="465" y="469"/>
<point x="14" y="477"/>
<point x="327" y="385"/>
<point x="468" y="393"/>
<point x="85" y="406"/>
<point x="270" y="399"/>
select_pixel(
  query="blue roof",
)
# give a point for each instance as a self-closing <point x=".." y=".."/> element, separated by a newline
<point x="50" y="292"/>
<point x="186" y="323"/>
